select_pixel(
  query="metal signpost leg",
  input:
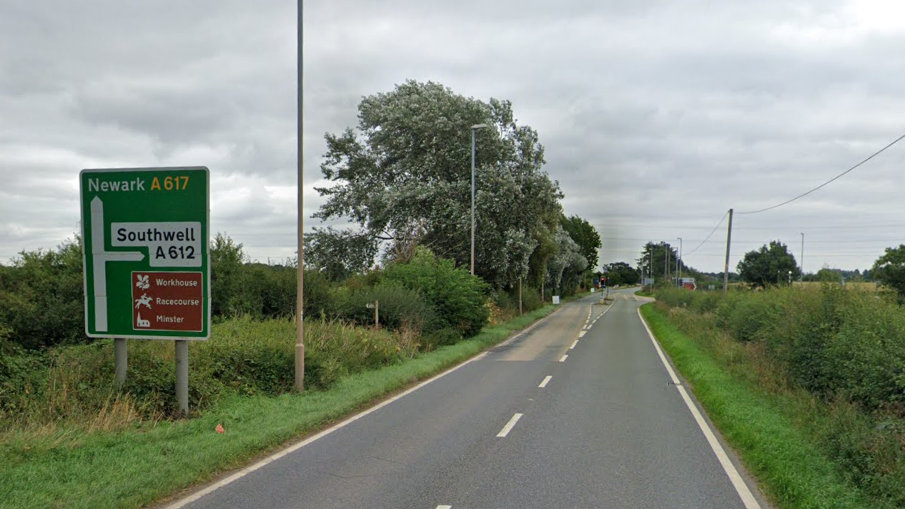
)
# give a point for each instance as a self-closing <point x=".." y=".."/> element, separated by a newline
<point x="182" y="376"/>
<point x="121" y="360"/>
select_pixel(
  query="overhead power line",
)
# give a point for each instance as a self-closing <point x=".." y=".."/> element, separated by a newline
<point x="708" y="236"/>
<point x="828" y="181"/>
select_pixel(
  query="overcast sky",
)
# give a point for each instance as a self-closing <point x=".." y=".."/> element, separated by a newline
<point x="657" y="116"/>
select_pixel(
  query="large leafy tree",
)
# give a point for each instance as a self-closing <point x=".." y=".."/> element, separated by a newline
<point x="770" y="265"/>
<point x="585" y="236"/>
<point x="654" y="260"/>
<point x="404" y="176"/>
<point x="339" y="254"/>
<point x="565" y="268"/>
<point x="889" y="269"/>
<point x="621" y="273"/>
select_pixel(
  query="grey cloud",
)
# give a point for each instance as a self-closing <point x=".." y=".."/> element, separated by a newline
<point x="656" y="116"/>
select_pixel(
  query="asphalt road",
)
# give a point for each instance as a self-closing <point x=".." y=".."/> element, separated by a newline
<point x="579" y="412"/>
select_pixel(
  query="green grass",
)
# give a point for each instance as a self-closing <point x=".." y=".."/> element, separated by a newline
<point x="146" y="462"/>
<point x="791" y="468"/>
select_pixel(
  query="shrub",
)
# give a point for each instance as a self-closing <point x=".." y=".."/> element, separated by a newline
<point x="457" y="297"/>
<point x="507" y="301"/>
<point x="868" y="353"/>
<point x="675" y="297"/>
<point x="530" y="299"/>
<point x="398" y="308"/>
<point x="809" y="323"/>
<point x="250" y="357"/>
<point x="20" y="372"/>
<point x="441" y="337"/>
<point x="42" y="297"/>
<point x="747" y="315"/>
<point x="318" y="296"/>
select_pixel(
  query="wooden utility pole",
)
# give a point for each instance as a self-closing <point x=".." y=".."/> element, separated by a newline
<point x="726" y="266"/>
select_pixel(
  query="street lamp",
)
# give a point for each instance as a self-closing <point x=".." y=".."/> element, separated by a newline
<point x="473" y="129"/>
<point x="679" y="265"/>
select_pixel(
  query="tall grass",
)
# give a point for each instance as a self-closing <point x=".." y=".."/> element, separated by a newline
<point x="74" y="388"/>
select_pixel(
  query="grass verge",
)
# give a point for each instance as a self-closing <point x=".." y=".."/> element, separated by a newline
<point x="791" y="468"/>
<point x="140" y="465"/>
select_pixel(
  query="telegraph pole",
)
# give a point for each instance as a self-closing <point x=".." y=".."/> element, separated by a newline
<point x="726" y="266"/>
<point x="801" y="276"/>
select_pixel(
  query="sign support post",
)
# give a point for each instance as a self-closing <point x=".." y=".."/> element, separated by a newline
<point x="182" y="375"/>
<point x="121" y="360"/>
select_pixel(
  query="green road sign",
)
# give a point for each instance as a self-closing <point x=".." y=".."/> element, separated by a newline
<point x="145" y="235"/>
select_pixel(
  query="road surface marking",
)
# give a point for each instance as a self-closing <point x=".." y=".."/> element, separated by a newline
<point x="737" y="482"/>
<point x="444" y="507"/>
<point x="545" y="382"/>
<point x="289" y="450"/>
<point x="563" y="359"/>
<point x="582" y="333"/>
<point x="508" y="427"/>
<point x="573" y="345"/>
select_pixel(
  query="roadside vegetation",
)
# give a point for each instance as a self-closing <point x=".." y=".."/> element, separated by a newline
<point x="807" y="384"/>
<point x="70" y="438"/>
<point x="56" y="377"/>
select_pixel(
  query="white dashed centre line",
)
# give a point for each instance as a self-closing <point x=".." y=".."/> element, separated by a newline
<point x="582" y="333"/>
<point x="545" y="382"/>
<point x="563" y="359"/>
<point x="508" y="427"/>
<point x="444" y="507"/>
<point x="573" y="345"/>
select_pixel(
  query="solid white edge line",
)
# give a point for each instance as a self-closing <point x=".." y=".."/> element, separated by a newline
<point x="545" y="382"/>
<point x="734" y="477"/>
<point x="573" y="345"/>
<point x="563" y="358"/>
<point x="270" y="459"/>
<point x="509" y="425"/>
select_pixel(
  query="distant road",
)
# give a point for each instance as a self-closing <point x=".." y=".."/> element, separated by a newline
<point x="579" y="412"/>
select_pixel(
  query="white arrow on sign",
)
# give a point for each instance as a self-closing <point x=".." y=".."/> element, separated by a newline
<point x="101" y="257"/>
